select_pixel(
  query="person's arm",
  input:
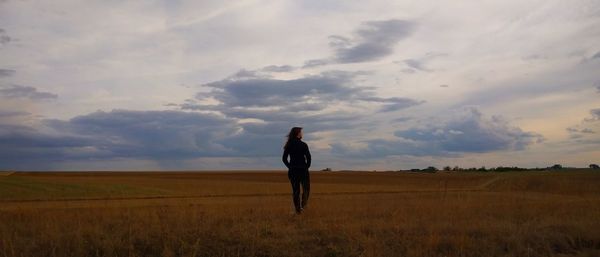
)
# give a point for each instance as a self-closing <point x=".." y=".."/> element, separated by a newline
<point x="284" y="158"/>
<point x="308" y="157"/>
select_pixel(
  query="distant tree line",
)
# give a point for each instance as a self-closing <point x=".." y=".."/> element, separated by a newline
<point x="498" y="169"/>
<point x="493" y="169"/>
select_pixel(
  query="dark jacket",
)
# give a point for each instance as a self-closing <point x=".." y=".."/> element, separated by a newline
<point x="299" y="155"/>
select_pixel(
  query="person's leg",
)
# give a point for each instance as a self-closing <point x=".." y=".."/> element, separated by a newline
<point x="305" y="189"/>
<point x="295" y="189"/>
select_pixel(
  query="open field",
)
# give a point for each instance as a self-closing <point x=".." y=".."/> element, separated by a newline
<point x="251" y="214"/>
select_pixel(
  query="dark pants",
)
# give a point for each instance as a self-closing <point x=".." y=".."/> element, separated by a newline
<point x="299" y="177"/>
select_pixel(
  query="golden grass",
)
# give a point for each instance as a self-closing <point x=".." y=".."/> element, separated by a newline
<point x="349" y="214"/>
<point x="6" y="173"/>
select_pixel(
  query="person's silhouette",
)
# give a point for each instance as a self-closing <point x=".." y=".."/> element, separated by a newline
<point x="298" y="165"/>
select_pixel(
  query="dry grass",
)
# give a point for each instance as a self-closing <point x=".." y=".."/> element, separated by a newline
<point x="349" y="214"/>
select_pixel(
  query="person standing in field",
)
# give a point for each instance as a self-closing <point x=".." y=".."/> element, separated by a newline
<point x="297" y="166"/>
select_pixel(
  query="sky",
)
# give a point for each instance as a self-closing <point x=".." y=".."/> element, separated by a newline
<point x="388" y="85"/>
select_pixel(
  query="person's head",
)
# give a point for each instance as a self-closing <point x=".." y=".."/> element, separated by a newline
<point x="295" y="133"/>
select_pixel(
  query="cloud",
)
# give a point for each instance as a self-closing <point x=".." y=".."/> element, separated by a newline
<point x="595" y="115"/>
<point x="309" y="93"/>
<point x="420" y="63"/>
<point x="23" y="147"/>
<point x="472" y="132"/>
<point x="402" y="119"/>
<point x="393" y="103"/>
<point x="372" y="41"/>
<point x="587" y="131"/>
<point x="128" y="134"/>
<point x="274" y="105"/>
<point x="4" y="114"/>
<point x="278" y="68"/>
<point x="17" y="91"/>
<point x="416" y="64"/>
<point x="7" y="72"/>
<point x="118" y="134"/>
<point x="315" y="63"/>
<point x="575" y="131"/>
<point x="262" y="92"/>
<point x="153" y="134"/>
<point x="4" y="38"/>
<point x="467" y="131"/>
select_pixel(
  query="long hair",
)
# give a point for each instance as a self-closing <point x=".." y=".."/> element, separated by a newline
<point x="292" y="135"/>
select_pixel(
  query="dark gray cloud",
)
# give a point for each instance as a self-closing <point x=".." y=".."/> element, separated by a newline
<point x="264" y="92"/>
<point x="157" y="135"/>
<point x="247" y="74"/>
<point x="17" y="91"/>
<point x="16" y="136"/>
<point x="416" y="64"/>
<point x="23" y="147"/>
<point x="154" y="134"/>
<point x="278" y="68"/>
<point x="372" y="41"/>
<point x="310" y="93"/>
<point x="578" y="133"/>
<point x="6" y="72"/>
<point x="316" y="62"/>
<point x="472" y="133"/>
<point x="577" y="130"/>
<point x="469" y="132"/>
<point x="4" y="38"/>
<point x="595" y="115"/>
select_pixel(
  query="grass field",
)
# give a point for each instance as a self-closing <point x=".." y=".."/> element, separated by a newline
<point x="250" y="213"/>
